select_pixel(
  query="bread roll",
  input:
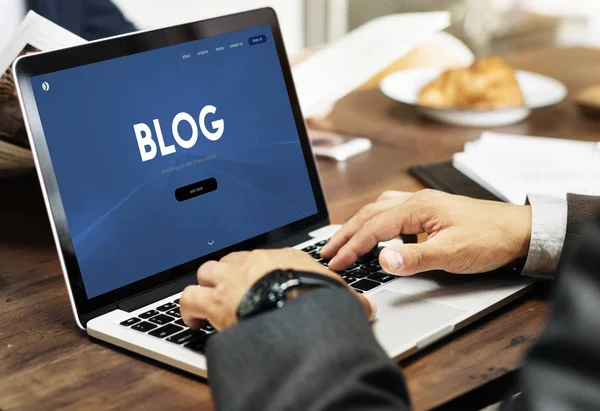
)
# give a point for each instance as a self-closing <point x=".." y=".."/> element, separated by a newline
<point x="488" y="83"/>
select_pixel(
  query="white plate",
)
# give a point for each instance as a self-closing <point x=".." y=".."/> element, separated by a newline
<point x="538" y="91"/>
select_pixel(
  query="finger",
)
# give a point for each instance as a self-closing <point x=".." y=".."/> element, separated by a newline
<point x="409" y="259"/>
<point x="204" y="279"/>
<point x="382" y="227"/>
<point x="195" y="305"/>
<point x="339" y="239"/>
<point x="215" y="273"/>
<point x="236" y="257"/>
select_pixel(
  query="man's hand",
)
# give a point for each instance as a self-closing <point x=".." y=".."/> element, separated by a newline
<point x="464" y="236"/>
<point x="223" y="284"/>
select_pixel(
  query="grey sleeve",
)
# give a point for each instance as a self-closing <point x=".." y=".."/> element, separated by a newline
<point x="317" y="353"/>
<point x="548" y="231"/>
<point x="556" y="226"/>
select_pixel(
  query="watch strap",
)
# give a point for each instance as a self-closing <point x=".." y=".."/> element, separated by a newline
<point x="308" y="279"/>
<point x="276" y="286"/>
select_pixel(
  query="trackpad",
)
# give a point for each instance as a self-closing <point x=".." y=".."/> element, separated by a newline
<point x="404" y="320"/>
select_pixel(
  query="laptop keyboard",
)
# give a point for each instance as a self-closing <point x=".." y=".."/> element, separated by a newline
<point x="362" y="276"/>
<point x="164" y="321"/>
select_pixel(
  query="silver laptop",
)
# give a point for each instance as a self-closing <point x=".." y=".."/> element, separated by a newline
<point x="160" y="150"/>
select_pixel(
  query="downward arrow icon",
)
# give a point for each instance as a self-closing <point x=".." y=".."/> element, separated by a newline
<point x="211" y="242"/>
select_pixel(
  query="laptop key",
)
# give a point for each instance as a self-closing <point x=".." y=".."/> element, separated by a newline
<point x="185" y="336"/>
<point x="174" y="313"/>
<point x="130" y="321"/>
<point x="364" y="260"/>
<point x="180" y="322"/>
<point x="161" y="319"/>
<point x="348" y="279"/>
<point x="165" y="331"/>
<point x="176" y="301"/>
<point x="373" y="266"/>
<point x="309" y="249"/>
<point x="365" y="285"/>
<point x="382" y="277"/>
<point x="358" y="273"/>
<point x="207" y="327"/>
<point x="144" y="326"/>
<point x="199" y="344"/>
<point x="353" y="267"/>
<point x="166" y="307"/>
<point x="322" y="243"/>
<point x="148" y="314"/>
<point x="370" y="256"/>
<point x="316" y="255"/>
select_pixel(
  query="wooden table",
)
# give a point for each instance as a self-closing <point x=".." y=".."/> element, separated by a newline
<point x="47" y="363"/>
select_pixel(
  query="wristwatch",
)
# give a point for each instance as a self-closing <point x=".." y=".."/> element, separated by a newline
<point x="271" y="291"/>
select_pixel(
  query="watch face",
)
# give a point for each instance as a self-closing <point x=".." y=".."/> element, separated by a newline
<point x="254" y="297"/>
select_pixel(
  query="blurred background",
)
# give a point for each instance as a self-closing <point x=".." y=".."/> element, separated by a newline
<point x="487" y="26"/>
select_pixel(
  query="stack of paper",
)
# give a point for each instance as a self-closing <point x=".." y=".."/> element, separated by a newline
<point x="512" y="166"/>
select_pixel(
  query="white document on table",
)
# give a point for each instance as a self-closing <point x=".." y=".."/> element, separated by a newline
<point x="346" y="64"/>
<point x="512" y="166"/>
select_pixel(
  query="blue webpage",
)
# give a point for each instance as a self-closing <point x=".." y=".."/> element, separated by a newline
<point x="168" y="155"/>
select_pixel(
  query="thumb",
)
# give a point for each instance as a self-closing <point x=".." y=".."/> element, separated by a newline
<point x="409" y="259"/>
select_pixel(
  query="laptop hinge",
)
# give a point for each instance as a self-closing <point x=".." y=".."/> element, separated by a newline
<point x="297" y="238"/>
<point x="141" y="300"/>
<point x="156" y="294"/>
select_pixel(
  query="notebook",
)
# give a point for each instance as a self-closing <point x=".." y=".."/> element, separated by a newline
<point x="512" y="166"/>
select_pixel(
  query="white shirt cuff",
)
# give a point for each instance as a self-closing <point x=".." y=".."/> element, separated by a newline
<point x="548" y="232"/>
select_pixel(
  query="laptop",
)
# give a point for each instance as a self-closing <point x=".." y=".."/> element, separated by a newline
<point x="160" y="150"/>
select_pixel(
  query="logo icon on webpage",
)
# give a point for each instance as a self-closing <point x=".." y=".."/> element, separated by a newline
<point x="45" y="86"/>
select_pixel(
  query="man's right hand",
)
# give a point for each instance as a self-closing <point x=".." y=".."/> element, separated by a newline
<point x="222" y="284"/>
<point x="464" y="235"/>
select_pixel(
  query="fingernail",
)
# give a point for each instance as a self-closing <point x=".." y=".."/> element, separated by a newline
<point x="373" y="310"/>
<point x="393" y="258"/>
<point x="333" y="261"/>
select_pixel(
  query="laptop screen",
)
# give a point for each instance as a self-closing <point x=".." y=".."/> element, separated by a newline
<point x="164" y="156"/>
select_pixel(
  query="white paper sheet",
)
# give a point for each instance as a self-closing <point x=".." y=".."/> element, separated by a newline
<point x="512" y="166"/>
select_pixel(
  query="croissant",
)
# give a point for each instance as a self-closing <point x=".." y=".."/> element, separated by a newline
<point x="488" y="83"/>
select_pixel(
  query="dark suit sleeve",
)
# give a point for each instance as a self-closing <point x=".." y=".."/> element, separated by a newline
<point x="103" y="19"/>
<point x="315" y="354"/>
<point x="562" y="371"/>
<point x="581" y="210"/>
